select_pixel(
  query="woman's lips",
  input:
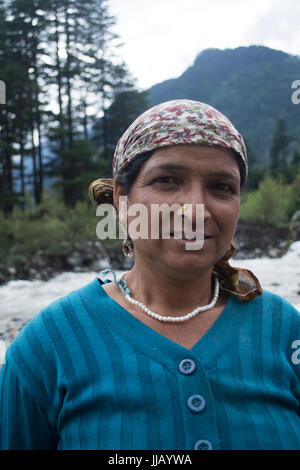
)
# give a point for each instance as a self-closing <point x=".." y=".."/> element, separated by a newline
<point x="193" y="237"/>
<point x="182" y="239"/>
<point x="194" y="244"/>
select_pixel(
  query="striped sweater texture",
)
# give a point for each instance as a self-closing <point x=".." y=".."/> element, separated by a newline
<point x="86" y="374"/>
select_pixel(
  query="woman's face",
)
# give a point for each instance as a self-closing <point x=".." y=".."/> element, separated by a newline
<point x="188" y="174"/>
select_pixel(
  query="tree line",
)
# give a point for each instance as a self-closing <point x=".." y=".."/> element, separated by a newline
<point x="283" y="158"/>
<point x="69" y="97"/>
<point x="59" y="60"/>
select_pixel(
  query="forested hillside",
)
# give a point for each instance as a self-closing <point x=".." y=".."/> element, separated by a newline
<point x="59" y="62"/>
<point x="251" y="85"/>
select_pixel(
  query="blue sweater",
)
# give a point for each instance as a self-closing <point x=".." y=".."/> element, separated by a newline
<point x="86" y="374"/>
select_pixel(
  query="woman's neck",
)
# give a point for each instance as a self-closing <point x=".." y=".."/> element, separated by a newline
<point x="162" y="292"/>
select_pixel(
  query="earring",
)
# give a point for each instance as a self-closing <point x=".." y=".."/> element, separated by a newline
<point x="128" y="247"/>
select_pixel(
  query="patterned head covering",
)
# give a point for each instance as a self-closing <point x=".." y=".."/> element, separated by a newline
<point x="182" y="122"/>
<point x="177" y="122"/>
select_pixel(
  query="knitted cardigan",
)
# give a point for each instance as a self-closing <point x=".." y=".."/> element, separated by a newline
<point x="86" y="374"/>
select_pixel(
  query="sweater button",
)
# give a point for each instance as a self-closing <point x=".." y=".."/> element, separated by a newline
<point x="196" y="403"/>
<point x="187" y="366"/>
<point x="203" y="445"/>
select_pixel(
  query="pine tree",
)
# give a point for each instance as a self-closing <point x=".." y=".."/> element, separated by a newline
<point x="22" y="59"/>
<point x="125" y="108"/>
<point x="13" y="122"/>
<point x="278" y="150"/>
<point x="59" y="59"/>
<point x="256" y="171"/>
<point x="296" y="159"/>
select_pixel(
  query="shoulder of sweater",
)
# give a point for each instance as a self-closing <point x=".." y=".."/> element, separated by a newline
<point x="269" y="303"/>
<point x="42" y="353"/>
<point x="268" y="296"/>
<point x="47" y="327"/>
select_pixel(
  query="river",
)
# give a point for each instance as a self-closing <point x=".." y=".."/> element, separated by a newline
<point x="24" y="299"/>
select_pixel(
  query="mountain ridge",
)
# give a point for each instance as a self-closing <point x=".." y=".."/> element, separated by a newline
<point x="249" y="84"/>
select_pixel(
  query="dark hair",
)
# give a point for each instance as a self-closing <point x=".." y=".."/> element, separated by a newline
<point x="128" y="175"/>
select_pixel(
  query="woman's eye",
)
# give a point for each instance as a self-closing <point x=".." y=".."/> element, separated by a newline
<point x="223" y="187"/>
<point x="165" y="180"/>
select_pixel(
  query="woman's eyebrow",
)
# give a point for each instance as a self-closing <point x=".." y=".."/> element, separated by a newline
<point x="172" y="166"/>
<point x="224" y="174"/>
<point x="169" y="166"/>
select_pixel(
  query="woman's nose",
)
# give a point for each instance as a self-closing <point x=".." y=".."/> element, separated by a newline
<point x="195" y="196"/>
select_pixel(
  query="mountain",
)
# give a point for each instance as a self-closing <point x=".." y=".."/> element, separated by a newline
<point x="250" y="85"/>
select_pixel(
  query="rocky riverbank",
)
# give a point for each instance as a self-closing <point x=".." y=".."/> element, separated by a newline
<point x="252" y="241"/>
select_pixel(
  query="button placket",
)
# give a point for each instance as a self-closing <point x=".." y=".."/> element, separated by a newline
<point x="196" y="403"/>
<point x="199" y="412"/>
<point x="187" y="366"/>
<point x="203" y="444"/>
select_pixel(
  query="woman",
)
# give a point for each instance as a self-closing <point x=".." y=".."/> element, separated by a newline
<point x="184" y="352"/>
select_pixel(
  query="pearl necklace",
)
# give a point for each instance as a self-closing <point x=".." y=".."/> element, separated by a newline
<point x="127" y="293"/>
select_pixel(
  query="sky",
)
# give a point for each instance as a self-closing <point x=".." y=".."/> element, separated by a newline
<point x="161" y="38"/>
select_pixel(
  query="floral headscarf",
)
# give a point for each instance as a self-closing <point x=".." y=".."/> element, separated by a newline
<point x="182" y="122"/>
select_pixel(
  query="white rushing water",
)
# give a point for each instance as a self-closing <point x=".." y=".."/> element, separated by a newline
<point x="24" y="299"/>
